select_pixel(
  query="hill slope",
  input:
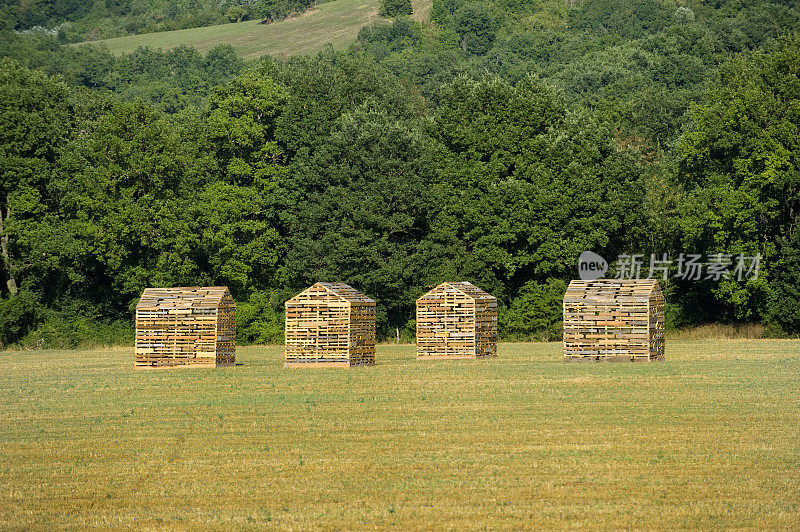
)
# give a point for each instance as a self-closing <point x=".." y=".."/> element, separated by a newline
<point x="334" y="22"/>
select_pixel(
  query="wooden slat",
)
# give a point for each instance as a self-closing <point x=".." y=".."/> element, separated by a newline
<point x="456" y="320"/>
<point x="613" y="319"/>
<point x="329" y="324"/>
<point x="185" y="327"/>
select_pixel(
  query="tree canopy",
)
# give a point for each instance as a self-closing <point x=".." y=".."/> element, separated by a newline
<point x="493" y="146"/>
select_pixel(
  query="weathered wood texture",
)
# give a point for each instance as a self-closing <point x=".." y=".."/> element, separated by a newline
<point x="187" y="326"/>
<point x="330" y="324"/>
<point x="613" y="319"/>
<point x="456" y="320"/>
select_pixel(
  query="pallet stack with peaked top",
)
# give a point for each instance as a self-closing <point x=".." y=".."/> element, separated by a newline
<point x="185" y="327"/>
<point x="614" y="319"/>
<point x="330" y="325"/>
<point x="456" y="320"/>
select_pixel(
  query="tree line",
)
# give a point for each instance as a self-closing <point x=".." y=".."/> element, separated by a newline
<point x="73" y="21"/>
<point x="414" y="157"/>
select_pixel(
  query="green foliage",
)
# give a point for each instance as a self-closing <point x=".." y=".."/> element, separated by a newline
<point x="357" y="211"/>
<point x="783" y="306"/>
<point x="35" y="115"/>
<point x="45" y="12"/>
<point x="395" y="8"/>
<point x="492" y="146"/>
<point x="17" y="317"/>
<point x="322" y="88"/>
<point x="535" y="313"/>
<point x="171" y="80"/>
<point x="236" y="14"/>
<point x="122" y="182"/>
<point x="740" y="167"/>
<point x="476" y="27"/>
<point x="241" y="125"/>
<point x="259" y="320"/>
<point x="240" y="246"/>
<point x="380" y="39"/>
<point x="626" y="18"/>
<point x="114" y="18"/>
<point x="528" y="186"/>
<point x="36" y="118"/>
<point x="64" y="330"/>
<point x="278" y="9"/>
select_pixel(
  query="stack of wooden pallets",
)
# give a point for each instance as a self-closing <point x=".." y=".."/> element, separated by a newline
<point x="330" y="324"/>
<point x="613" y="319"/>
<point x="456" y="320"/>
<point x="185" y="327"/>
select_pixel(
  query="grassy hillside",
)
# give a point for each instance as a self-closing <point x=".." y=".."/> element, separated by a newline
<point x="334" y="22"/>
<point x="710" y="438"/>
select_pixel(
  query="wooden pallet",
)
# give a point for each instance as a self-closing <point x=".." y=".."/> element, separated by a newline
<point x="330" y="324"/>
<point x="613" y="319"/>
<point x="185" y="327"/>
<point x="456" y="320"/>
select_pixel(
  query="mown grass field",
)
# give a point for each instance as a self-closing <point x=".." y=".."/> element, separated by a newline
<point x="708" y="438"/>
<point x="336" y="22"/>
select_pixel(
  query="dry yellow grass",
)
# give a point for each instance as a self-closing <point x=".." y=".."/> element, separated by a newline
<point x="750" y="331"/>
<point x="708" y="438"/>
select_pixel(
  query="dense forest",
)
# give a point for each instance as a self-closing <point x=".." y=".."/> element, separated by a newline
<point x="493" y="145"/>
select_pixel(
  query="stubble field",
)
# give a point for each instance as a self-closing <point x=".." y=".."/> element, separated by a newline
<point x="708" y="438"/>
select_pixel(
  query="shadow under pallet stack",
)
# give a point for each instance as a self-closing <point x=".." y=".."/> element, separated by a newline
<point x="614" y="319"/>
<point x="185" y="327"/>
<point x="330" y="325"/>
<point x="456" y="320"/>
